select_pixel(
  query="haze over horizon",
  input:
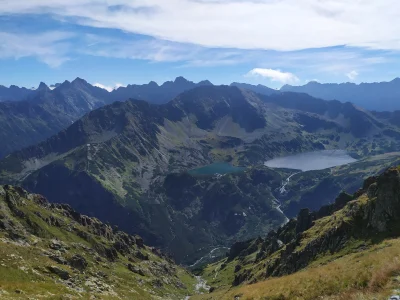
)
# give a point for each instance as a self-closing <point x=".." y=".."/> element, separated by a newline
<point x="122" y="42"/>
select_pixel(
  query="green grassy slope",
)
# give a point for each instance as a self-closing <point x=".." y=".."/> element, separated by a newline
<point x="50" y="251"/>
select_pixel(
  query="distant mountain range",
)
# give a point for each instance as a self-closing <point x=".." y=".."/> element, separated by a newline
<point x="46" y="111"/>
<point x="151" y="92"/>
<point x="14" y="93"/>
<point x="378" y="96"/>
<point x="154" y="93"/>
<point x="28" y="116"/>
<point x="259" y="89"/>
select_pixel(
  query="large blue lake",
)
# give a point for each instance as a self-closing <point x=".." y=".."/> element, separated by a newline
<point x="216" y="168"/>
<point x="316" y="160"/>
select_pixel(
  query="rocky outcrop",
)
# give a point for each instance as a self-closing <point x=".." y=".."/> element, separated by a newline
<point x="305" y="220"/>
<point x="78" y="262"/>
<point x="63" y="274"/>
<point x="385" y="210"/>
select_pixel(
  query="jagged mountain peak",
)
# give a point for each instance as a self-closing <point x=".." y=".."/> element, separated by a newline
<point x="64" y="84"/>
<point x="180" y="80"/>
<point x="81" y="83"/>
<point x="153" y="84"/>
<point x="205" y="82"/>
<point x="42" y="86"/>
<point x="79" y="80"/>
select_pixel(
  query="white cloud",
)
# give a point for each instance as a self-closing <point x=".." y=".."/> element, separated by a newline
<point x="352" y="75"/>
<point x="107" y="87"/>
<point x="274" y="75"/>
<point x="245" y="24"/>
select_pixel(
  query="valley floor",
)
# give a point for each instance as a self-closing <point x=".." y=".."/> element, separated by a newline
<point x="370" y="273"/>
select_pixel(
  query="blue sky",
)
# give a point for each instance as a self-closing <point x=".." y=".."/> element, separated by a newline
<point x="271" y="42"/>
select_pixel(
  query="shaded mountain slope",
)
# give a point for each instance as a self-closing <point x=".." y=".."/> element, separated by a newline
<point x="50" y="250"/>
<point x="47" y="112"/>
<point x="362" y="223"/>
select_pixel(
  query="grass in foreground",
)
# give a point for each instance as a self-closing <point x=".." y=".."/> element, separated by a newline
<point x="370" y="274"/>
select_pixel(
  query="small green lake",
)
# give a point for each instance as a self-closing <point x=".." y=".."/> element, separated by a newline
<point x="216" y="168"/>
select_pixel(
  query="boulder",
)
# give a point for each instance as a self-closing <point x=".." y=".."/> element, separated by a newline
<point x="140" y="255"/>
<point x="58" y="259"/>
<point x="78" y="262"/>
<point x="56" y="245"/>
<point x="111" y="254"/>
<point x="63" y="274"/>
<point x="139" y="241"/>
<point x="136" y="270"/>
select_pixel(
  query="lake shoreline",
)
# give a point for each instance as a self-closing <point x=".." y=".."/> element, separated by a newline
<point x="312" y="161"/>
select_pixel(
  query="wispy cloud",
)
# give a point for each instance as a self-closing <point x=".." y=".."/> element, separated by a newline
<point x="56" y="47"/>
<point x="146" y="49"/>
<point x="274" y="75"/>
<point x="274" y="25"/>
<point x="334" y="60"/>
<point x="49" y="47"/>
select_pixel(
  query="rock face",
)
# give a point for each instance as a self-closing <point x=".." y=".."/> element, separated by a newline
<point x="78" y="255"/>
<point x="373" y="211"/>
<point x="387" y="205"/>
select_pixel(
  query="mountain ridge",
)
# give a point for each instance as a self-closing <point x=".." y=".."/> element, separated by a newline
<point x="379" y="96"/>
